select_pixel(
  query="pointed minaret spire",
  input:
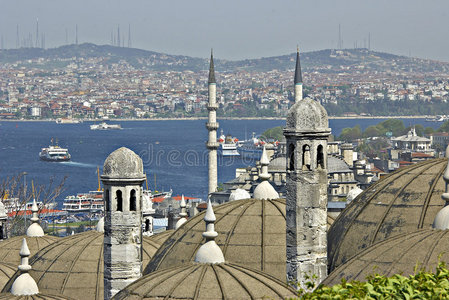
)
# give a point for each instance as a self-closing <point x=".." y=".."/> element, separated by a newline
<point x="264" y="190"/>
<point x="212" y="126"/>
<point x="298" y="78"/>
<point x="35" y="230"/>
<point x="182" y="214"/>
<point x="209" y="252"/>
<point x="24" y="284"/>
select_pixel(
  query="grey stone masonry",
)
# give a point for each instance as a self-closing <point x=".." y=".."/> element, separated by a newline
<point x="306" y="193"/>
<point x="123" y="220"/>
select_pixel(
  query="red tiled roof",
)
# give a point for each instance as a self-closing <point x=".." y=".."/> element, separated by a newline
<point x="29" y="212"/>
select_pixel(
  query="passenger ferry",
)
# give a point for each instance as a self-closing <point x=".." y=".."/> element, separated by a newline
<point x="84" y="202"/>
<point x="54" y="153"/>
<point x="228" y="145"/>
<point x="105" y="126"/>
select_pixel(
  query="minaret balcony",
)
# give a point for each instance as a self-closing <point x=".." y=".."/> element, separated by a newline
<point x="212" y="145"/>
<point x="212" y="106"/>
<point x="212" y="125"/>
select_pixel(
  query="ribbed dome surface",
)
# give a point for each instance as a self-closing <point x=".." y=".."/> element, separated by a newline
<point x="6" y="272"/>
<point x="74" y="265"/>
<point x="404" y="201"/>
<point x="397" y="255"/>
<point x="251" y="233"/>
<point x="306" y="115"/>
<point x="206" y="281"/>
<point x="10" y="248"/>
<point x="9" y="296"/>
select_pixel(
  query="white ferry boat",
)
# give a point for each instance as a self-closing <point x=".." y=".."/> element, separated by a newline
<point x="228" y="145"/>
<point x="105" y="126"/>
<point x="251" y="148"/>
<point x="54" y="153"/>
<point x="84" y="202"/>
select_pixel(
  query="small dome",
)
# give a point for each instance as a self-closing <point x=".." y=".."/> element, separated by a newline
<point x="239" y="194"/>
<point x="442" y="219"/>
<point x="180" y="222"/>
<point x="35" y="230"/>
<point x="251" y="233"/>
<point x="307" y="115"/>
<point x="100" y="225"/>
<point x="353" y="194"/>
<point x="404" y="201"/>
<point x="206" y="281"/>
<point x="123" y="163"/>
<point x="10" y="248"/>
<point x="337" y="165"/>
<point x="265" y="191"/>
<point x="400" y="254"/>
<point x="74" y="265"/>
<point x="279" y="164"/>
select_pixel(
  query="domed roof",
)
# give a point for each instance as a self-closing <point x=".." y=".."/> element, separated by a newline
<point x="352" y="194"/>
<point x="404" y="201"/>
<point x="336" y="165"/>
<point x="6" y="272"/>
<point x="10" y="248"/>
<point x="307" y="115"/>
<point x="73" y="266"/>
<point x="2" y="211"/>
<point x="265" y="190"/>
<point x="251" y="233"/>
<point x="207" y="281"/>
<point x="239" y="194"/>
<point x="123" y="163"/>
<point x="279" y="164"/>
<point x="40" y="296"/>
<point x="397" y="255"/>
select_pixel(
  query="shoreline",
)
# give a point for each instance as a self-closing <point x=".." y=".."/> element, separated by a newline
<point x="218" y="118"/>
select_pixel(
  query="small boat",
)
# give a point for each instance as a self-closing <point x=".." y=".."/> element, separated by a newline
<point x="67" y="121"/>
<point x="54" y="153"/>
<point x="105" y="126"/>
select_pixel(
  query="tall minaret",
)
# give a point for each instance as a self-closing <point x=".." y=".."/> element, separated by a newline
<point x="298" y="78"/>
<point x="122" y="180"/>
<point x="306" y="133"/>
<point x="212" y="126"/>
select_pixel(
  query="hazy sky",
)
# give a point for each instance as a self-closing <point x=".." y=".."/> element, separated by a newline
<point x="237" y="29"/>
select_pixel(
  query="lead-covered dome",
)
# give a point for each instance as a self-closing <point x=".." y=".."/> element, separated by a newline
<point x="206" y="281"/>
<point x="123" y="163"/>
<point x="307" y="115"/>
<point x="400" y="254"/>
<point x="404" y="201"/>
<point x="6" y="272"/>
<point x="74" y="265"/>
<point x="40" y="296"/>
<point x="10" y="248"/>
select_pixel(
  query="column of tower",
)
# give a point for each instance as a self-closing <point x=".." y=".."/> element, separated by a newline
<point x="306" y="198"/>
<point x="298" y="78"/>
<point x="212" y="126"/>
<point x="122" y="179"/>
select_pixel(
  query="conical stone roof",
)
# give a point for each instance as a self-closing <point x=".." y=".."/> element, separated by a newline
<point x="74" y="265"/>
<point x="206" y="281"/>
<point x="404" y="201"/>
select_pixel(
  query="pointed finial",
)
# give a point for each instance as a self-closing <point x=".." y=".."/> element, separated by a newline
<point x="211" y="69"/>
<point x="35" y="230"/>
<point x="297" y="49"/>
<point x="182" y="214"/>
<point x="209" y="252"/>
<point x="298" y="73"/>
<point x="264" y="163"/>
<point x="24" y="284"/>
<point x="264" y="190"/>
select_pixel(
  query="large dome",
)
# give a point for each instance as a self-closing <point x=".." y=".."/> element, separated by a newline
<point x="6" y="272"/>
<point x="73" y="266"/>
<point x="40" y="296"/>
<point x="400" y="254"/>
<point x="123" y="163"/>
<point x="10" y="248"/>
<point x="307" y="115"/>
<point x="404" y="201"/>
<point x="251" y="233"/>
<point x="206" y="281"/>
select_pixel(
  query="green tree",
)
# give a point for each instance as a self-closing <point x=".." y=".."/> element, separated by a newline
<point x="350" y="134"/>
<point x="371" y="131"/>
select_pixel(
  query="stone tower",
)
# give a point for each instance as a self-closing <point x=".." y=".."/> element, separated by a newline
<point x="212" y="126"/>
<point x="298" y="78"/>
<point x="122" y="179"/>
<point x="347" y="151"/>
<point x="306" y="133"/>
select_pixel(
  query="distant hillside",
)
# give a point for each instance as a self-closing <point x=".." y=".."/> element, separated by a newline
<point x="144" y="59"/>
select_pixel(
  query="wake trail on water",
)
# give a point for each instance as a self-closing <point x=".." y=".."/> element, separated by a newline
<point x="78" y="164"/>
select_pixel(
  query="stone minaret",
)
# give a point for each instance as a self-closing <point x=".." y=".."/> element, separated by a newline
<point x="212" y="126"/>
<point x="298" y="78"/>
<point x="122" y="179"/>
<point x="306" y="133"/>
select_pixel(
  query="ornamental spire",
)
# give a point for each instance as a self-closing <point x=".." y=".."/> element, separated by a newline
<point x="211" y="68"/>
<point x="298" y="74"/>
<point x="24" y="284"/>
<point x="182" y="214"/>
<point x="209" y="252"/>
<point x="35" y="230"/>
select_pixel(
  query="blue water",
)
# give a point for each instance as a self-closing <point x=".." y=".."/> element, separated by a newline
<point x="172" y="151"/>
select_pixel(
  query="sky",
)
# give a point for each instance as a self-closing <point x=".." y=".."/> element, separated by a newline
<point x="237" y="29"/>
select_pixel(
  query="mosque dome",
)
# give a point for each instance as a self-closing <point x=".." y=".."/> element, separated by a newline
<point x="73" y="266"/>
<point x="251" y="233"/>
<point x="352" y="194"/>
<point x="404" y="201"/>
<point x="400" y="254"/>
<point x="6" y="272"/>
<point x="207" y="281"/>
<point x="279" y="164"/>
<point x="10" y="248"/>
<point x="265" y="190"/>
<point x="307" y="115"/>
<point x="123" y="163"/>
<point x="239" y="194"/>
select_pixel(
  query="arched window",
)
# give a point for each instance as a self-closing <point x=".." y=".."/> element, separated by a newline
<point x="291" y="157"/>
<point x="147" y="225"/>
<point x="132" y="200"/>
<point x="106" y="199"/>
<point x="306" y="157"/>
<point x="320" y="157"/>
<point x="119" y="201"/>
<point x="1" y="232"/>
